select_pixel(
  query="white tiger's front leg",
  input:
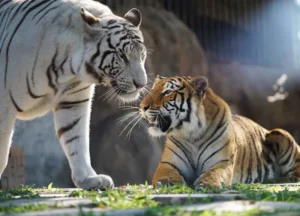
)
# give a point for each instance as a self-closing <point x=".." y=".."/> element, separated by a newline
<point x="72" y="116"/>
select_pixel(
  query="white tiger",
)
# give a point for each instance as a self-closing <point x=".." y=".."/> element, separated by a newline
<point x="52" y="53"/>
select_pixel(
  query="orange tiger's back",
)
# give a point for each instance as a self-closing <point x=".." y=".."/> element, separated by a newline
<point x="207" y="145"/>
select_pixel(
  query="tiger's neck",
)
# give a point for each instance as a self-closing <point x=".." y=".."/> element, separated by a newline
<point x="213" y="114"/>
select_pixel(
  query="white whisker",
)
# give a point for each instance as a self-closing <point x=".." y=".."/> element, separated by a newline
<point x="130" y="131"/>
<point x="122" y="119"/>
<point x="129" y="124"/>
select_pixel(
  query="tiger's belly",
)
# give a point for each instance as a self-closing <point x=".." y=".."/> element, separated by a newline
<point x="34" y="108"/>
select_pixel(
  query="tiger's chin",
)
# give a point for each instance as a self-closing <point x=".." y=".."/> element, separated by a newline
<point x="161" y="127"/>
<point x="129" y="97"/>
<point x="156" y="132"/>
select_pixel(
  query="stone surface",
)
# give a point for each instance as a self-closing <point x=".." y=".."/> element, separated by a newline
<point x="14" y="173"/>
<point x="44" y="159"/>
<point x="246" y="88"/>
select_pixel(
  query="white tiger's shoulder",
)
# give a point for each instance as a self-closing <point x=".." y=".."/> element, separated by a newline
<point x="96" y="8"/>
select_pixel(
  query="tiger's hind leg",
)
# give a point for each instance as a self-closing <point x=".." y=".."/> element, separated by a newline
<point x="286" y="155"/>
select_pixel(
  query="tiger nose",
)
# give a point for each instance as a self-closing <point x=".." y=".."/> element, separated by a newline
<point x="138" y="85"/>
<point x="145" y="108"/>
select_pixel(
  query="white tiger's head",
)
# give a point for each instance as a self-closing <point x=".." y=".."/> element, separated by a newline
<point x="116" y="52"/>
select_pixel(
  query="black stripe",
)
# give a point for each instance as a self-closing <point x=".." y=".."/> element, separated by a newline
<point x="14" y="102"/>
<point x="267" y="171"/>
<point x="13" y="34"/>
<point x="46" y="12"/>
<point x="4" y="3"/>
<point x="105" y="54"/>
<point x="110" y="22"/>
<point x="258" y="161"/>
<point x="4" y="26"/>
<point x="215" y="152"/>
<point x="50" y="82"/>
<point x="260" y="168"/>
<point x="30" y="91"/>
<point x="242" y="164"/>
<point x="287" y="158"/>
<point x="74" y="153"/>
<point x="36" y="60"/>
<point x="7" y="15"/>
<point x="111" y="27"/>
<point x="41" y="10"/>
<point x="61" y="67"/>
<point x="71" y="86"/>
<point x="176" y="168"/>
<point x="184" y="150"/>
<point x="249" y="170"/>
<point x="110" y="46"/>
<point x="97" y="53"/>
<point x="91" y="71"/>
<point x="121" y="39"/>
<point x="247" y="134"/>
<point x="72" y="139"/>
<point x="79" y="90"/>
<point x="67" y="128"/>
<point x="174" y="152"/>
<point x="3" y="42"/>
<point x="285" y="152"/>
<point x="71" y="67"/>
<point x="19" y="8"/>
<point x="125" y="44"/>
<point x="53" y="66"/>
<point x="70" y="104"/>
<point x="211" y="124"/>
<point x="211" y="142"/>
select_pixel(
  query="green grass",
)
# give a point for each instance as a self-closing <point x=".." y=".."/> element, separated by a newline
<point x="22" y="192"/>
<point x="24" y="208"/>
<point x="137" y="196"/>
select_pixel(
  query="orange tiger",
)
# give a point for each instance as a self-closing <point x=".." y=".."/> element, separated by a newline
<point x="208" y="146"/>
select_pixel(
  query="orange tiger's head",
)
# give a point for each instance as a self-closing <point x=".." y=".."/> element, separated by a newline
<point x="172" y="102"/>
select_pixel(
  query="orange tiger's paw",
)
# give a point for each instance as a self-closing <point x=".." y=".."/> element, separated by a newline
<point x="167" y="181"/>
<point x="210" y="183"/>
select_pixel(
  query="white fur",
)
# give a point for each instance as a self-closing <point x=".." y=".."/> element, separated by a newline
<point x="33" y="48"/>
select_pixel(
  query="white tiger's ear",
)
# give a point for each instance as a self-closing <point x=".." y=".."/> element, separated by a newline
<point x="200" y="85"/>
<point x="134" y="16"/>
<point x="89" y="18"/>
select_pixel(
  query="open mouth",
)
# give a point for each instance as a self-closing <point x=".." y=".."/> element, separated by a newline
<point x="163" y="123"/>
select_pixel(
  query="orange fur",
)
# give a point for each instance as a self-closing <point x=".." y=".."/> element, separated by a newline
<point x="211" y="146"/>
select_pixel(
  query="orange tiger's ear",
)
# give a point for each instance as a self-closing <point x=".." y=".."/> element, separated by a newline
<point x="200" y="85"/>
<point x="158" y="77"/>
<point x="89" y="18"/>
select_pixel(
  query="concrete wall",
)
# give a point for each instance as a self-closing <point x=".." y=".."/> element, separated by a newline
<point x="44" y="159"/>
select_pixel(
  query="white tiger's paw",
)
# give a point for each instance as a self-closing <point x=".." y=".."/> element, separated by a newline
<point x="101" y="182"/>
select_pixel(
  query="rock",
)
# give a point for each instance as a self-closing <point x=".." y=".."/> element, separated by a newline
<point x="247" y="87"/>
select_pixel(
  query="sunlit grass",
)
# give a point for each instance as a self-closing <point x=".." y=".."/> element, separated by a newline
<point x="141" y="197"/>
